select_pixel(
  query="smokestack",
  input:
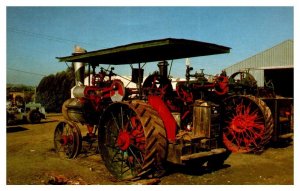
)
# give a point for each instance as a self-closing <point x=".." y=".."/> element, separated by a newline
<point x="79" y="66"/>
<point x="163" y="68"/>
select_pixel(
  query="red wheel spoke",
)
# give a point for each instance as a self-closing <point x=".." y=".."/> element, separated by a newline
<point x="245" y="119"/>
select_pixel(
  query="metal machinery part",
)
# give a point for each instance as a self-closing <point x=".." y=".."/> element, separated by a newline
<point x="156" y="84"/>
<point x="88" y="101"/>
<point x="282" y="112"/>
<point x="242" y="82"/>
<point x="118" y="91"/>
<point x="200" y="142"/>
<point x="67" y="139"/>
<point x="201" y="121"/>
<point x="248" y="123"/>
<point x="184" y="92"/>
<point x="132" y="140"/>
<point x="199" y="88"/>
<point x="136" y="137"/>
<point x="221" y="85"/>
<point x="114" y="90"/>
<point x="79" y="66"/>
<point x="206" y="117"/>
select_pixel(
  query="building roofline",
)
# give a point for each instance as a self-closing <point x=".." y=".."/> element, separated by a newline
<point x="266" y="50"/>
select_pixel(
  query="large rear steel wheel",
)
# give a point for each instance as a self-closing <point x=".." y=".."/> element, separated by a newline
<point x="67" y="139"/>
<point x="132" y="140"/>
<point x="248" y="124"/>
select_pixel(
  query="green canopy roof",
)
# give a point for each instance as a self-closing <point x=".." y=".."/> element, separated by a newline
<point x="148" y="51"/>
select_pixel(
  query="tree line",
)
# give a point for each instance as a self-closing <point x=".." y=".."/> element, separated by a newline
<point x="54" y="89"/>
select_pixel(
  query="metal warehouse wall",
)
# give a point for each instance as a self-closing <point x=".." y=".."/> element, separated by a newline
<point x="279" y="56"/>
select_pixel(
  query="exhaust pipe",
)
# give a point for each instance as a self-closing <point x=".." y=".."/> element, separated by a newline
<point x="79" y="67"/>
<point x="163" y="68"/>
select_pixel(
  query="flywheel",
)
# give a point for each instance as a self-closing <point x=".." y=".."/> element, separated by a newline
<point x="132" y="140"/>
<point x="247" y="123"/>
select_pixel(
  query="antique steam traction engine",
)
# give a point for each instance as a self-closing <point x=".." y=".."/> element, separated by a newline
<point x="139" y="129"/>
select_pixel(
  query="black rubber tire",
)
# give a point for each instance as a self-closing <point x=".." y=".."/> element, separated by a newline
<point x="34" y="116"/>
<point x="155" y="148"/>
<point x="264" y="117"/>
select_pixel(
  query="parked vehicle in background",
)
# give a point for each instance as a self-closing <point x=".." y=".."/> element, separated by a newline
<point x="31" y="113"/>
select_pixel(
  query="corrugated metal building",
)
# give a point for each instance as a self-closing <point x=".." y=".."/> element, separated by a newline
<point x="276" y="64"/>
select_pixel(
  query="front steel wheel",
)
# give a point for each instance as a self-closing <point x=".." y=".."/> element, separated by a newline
<point x="67" y="139"/>
<point x="132" y="140"/>
<point x="248" y="124"/>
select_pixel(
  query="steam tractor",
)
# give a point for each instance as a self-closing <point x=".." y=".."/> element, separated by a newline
<point x="138" y="129"/>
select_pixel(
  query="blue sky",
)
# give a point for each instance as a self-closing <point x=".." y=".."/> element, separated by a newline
<point x="36" y="35"/>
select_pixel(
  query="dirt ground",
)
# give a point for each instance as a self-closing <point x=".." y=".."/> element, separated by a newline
<point x="31" y="160"/>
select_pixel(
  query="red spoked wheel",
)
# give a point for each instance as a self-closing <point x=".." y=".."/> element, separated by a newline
<point x="248" y="124"/>
<point x="132" y="140"/>
<point x="67" y="139"/>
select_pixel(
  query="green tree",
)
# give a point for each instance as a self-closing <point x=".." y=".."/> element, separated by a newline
<point x="53" y="90"/>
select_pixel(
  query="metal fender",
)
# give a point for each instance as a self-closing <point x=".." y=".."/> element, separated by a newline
<point x="169" y="122"/>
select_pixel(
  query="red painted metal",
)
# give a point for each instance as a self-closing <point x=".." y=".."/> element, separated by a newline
<point x="137" y="136"/>
<point x="117" y="88"/>
<point x="90" y="129"/>
<point x="132" y="134"/>
<point x="170" y="124"/>
<point x="123" y="140"/>
<point x="221" y="86"/>
<point x="184" y="94"/>
<point x="65" y="139"/>
<point x="157" y="85"/>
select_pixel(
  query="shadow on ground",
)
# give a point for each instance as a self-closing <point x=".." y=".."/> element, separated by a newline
<point x="197" y="170"/>
<point x="14" y="129"/>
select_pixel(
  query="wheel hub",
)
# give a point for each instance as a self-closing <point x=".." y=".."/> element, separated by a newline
<point x="65" y="139"/>
<point x="123" y="140"/>
<point x="240" y="123"/>
<point x="245" y="120"/>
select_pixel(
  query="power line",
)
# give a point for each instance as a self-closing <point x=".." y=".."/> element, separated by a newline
<point x="44" y="36"/>
<point x="26" y="72"/>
